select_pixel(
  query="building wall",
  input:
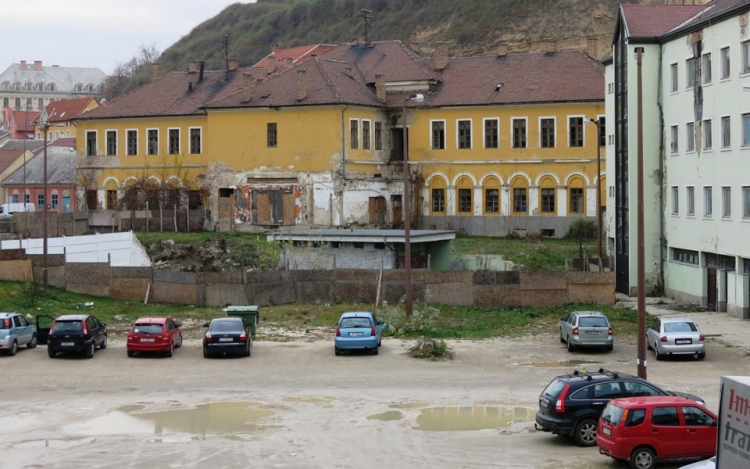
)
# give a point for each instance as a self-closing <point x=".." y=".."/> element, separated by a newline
<point x="19" y="162"/>
<point x="609" y="104"/>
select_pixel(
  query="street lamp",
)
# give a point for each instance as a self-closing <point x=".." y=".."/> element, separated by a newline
<point x="44" y="124"/>
<point x="598" y="124"/>
<point x="642" y="373"/>
<point x="407" y="205"/>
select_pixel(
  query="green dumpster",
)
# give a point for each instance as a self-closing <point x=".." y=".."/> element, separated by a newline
<point x="250" y="314"/>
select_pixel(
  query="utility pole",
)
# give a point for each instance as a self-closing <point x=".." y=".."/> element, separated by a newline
<point x="642" y="372"/>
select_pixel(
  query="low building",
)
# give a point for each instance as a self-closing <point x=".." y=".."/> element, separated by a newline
<point x="14" y="154"/>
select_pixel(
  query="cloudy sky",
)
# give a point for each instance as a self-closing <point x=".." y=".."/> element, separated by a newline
<point x="96" y="33"/>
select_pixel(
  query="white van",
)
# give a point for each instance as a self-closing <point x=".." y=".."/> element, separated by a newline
<point x="6" y="210"/>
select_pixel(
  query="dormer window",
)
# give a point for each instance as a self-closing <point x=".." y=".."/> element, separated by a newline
<point x="79" y="88"/>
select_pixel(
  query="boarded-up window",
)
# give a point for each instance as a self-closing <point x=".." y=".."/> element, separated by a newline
<point x="273" y="207"/>
<point x="377" y="208"/>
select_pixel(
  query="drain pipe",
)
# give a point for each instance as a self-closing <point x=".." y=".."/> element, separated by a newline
<point x="343" y="142"/>
<point x="662" y="239"/>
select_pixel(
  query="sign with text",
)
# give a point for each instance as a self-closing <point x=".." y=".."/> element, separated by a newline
<point x="733" y="447"/>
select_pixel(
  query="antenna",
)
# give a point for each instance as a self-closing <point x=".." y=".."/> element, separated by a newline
<point x="367" y="18"/>
<point x="225" y="43"/>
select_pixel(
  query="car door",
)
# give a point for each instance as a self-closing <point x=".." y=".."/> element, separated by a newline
<point x="97" y="331"/>
<point x="25" y="330"/>
<point x="700" y="431"/>
<point x="652" y="333"/>
<point x="43" y="325"/>
<point x="667" y="432"/>
<point x="171" y="331"/>
<point x="565" y="326"/>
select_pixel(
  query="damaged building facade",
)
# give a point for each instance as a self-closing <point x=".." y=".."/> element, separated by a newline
<point x="495" y="143"/>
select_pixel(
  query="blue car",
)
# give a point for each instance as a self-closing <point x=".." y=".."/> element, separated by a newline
<point x="358" y="331"/>
<point x="15" y="331"/>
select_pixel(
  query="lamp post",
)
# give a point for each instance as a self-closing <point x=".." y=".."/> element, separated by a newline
<point x="407" y="206"/>
<point x="642" y="372"/>
<point x="44" y="123"/>
<point x="598" y="124"/>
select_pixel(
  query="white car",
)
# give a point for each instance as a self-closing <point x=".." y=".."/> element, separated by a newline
<point x="675" y="336"/>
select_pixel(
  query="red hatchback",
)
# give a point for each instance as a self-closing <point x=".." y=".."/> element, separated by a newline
<point x="646" y="429"/>
<point x="154" y="334"/>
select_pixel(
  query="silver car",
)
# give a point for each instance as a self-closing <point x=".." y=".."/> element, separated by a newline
<point x="16" y="330"/>
<point x="673" y="336"/>
<point x="586" y="329"/>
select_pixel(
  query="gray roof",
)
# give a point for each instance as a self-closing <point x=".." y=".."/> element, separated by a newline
<point x="64" y="78"/>
<point x="362" y="236"/>
<point x="31" y="145"/>
<point x="61" y="168"/>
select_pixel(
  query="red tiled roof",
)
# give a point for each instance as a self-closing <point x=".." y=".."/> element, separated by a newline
<point x="7" y="157"/>
<point x="24" y="119"/>
<point x="297" y="54"/>
<point x="66" y="109"/>
<point x="64" y="142"/>
<point x="651" y="21"/>
<point x="394" y="59"/>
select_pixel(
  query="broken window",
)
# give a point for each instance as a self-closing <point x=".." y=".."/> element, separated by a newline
<point x="132" y="142"/>
<point x="519" y="133"/>
<point x="378" y="136"/>
<point x="548" y="133"/>
<point x="195" y="141"/>
<point x="576" y="131"/>
<point x="91" y="143"/>
<point x="464" y="134"/>
<point x="111" y="142"/>
<point x="438" y="135"/>
<point x="576" y="200"/>
<point x="271" y="135"/>
<point x="153" y="141"/>
<point x="438" y="200"/>
<point x="174" y="141"/>
<point x="365" y="135"/>
<point x="519" y="200"/>
<point x="354" y="133"/>
<point x="492" y="200"/>
<point x="548" y="200"/>
<point x="491" y="133"/>
<point x="464" y="200"/>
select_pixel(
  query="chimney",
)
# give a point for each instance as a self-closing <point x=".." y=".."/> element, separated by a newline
<point x="289" y="61"/>
<point x="502" y="50"/>
<point x="233" y="64"/>
<point x="38" y="65"/>
<point x="274" y="48"/>
<point x="441" y="59"/>
<point x="271" y="65"/>
<point x="192" y="67"/>
<point x="190" y="87"/>
<point x="348" y="71"/>
<point x="155" y="72"/>
<point x="380" y="88"/>
<point x="593" y="48"/>
<point x="247" y="88"/>
<point x="200" y="73"/>
<point x="551" y="47"/>
<point x="23" y="66"/>
<point x="301" y="85"/>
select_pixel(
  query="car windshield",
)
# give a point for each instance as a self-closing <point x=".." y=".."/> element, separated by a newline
<point x="553" y="389"/>
<point x="612" y="414"/>
<point x="352" y="323"/>
<point x="68" y="326"/>
<point x="592" y="321"/>
<point x="147" y="328"/>
<point x="680" y="327"/>
<point x="226" y="326"/>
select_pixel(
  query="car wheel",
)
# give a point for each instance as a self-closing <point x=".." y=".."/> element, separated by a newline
<point x="33" y="342"/>
<point x="205" y="352"/>
<point x="701" y="355"/>
<point x="13" y="348"/>
<point x="642" y="458"/>
<point x="179" y="341"/>
<point x="380" y="342"/>
<point x="562" y="339"/>
<point x="131" y="354"/>
<point x="610" y="348"/>
<point x="585" y="434"/>
<point x="247" y="352"/>
<point x="51" y="353"/>
<point x="375" y="352"/>
<point x="336" y="351"/>
<point x="656" y="352"/>
<point x="570" y="345"/>
<point x="104" y="342"/>
<point x="171" y="350"/>
<point x="90" y="350"/>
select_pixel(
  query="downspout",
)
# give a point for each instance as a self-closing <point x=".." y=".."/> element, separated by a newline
<point x="662" y="239"/>
<point x="343" y="142"/>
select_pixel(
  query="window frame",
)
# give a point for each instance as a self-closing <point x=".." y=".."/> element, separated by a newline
<point x="440" y="133"/>
<point x="354" y="134"/>
<point x="366" y="125"/>
<point x="461" y="139"/>
<point x="707" y="132"/>
<point x="378" y="136"/>
<point x="690" y="201"/>
<point x="170" y="149"/>
<point x="155" y="149"/>
<point x="690" y="137"/>
<point x="745" y="202"/>
<point x="726" y="63"/>
<point x="706" y="69"/>
<point x="128" y="147"/>
<point x="272" y="135"/>
<point x="675" y="196"/>
<point x="486" y="137"/>
<point x="726" y="202"/>
<point x="690" y="80"/>
<point x="544" y="198"/>
<point x="494" y="207"/>
<point x="708" y="196"/>
<point x="89" y="150"/>
<point x="516" y="192"/>
<point x="542" y="136"/>
<point x="582" y="131"/>
<point x="745" y="55"/>
<point x="40" y="202"/>
<point x="745" y="134"/>
<point x="200" y="140"/>
<point x="674" y="137"/>
<point x="674" y="82"/>
<point x="440" y="200"/>
<point x="525" y="121"/>
<point x="110" y="151"/>
<point x="461" y="198"/>
<point x="573" y="200"/>
<point x="726" y="137"/>
<point x="54" y="200"/>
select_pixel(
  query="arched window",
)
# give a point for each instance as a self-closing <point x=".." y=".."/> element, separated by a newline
<point x="491" y="192"/>
<point x="519" y="188"/>
<point x="464" y="196"/>
<point x="547" y="196"/>
<point x="576" y="196"/>
<point x="111" y="194"/>
<point x="437" y="196"/>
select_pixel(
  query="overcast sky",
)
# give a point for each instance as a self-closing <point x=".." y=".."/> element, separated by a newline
<point x="96" y="33"/>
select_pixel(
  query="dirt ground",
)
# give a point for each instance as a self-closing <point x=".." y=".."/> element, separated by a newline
<point x="296" y="405"/>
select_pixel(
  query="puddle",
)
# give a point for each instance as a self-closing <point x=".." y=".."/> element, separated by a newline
<point x="217" y="418"/>
<point x="446" y="419"/>
<point x="407" y="405"/>
<point x="386" y="416"/>
<point x="313" y="400"/>
<point x="561" y="363"/>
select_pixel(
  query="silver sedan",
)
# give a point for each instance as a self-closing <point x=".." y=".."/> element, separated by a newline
<point x="675" y="336"/>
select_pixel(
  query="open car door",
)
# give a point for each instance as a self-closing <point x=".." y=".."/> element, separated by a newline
<point x="43" y="325"/>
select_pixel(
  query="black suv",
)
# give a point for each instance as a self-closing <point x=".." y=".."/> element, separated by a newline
<point x="571" y="404"/>
<point x="76" y="333"/>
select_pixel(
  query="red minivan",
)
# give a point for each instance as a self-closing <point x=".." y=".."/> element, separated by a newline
<point x="643" y="430"/>
<point x="154" y="334"/>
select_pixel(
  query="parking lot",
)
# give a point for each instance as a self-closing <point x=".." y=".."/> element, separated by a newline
<point x="296" y="404"/>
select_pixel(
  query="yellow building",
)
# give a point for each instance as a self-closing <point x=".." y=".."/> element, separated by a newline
<point x="495" y="143"/>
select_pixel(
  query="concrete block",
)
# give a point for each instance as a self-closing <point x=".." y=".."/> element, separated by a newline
<point x="356" y="275"/>
<point x="458" y="276"/>
<point x="508" y="278"/>
<point x="272" y="293"/>
<point x="311" y="275"/>
<point x="394" y="292"/>
<point x="88" y="289"/>
<point x="55" y="275"/>
<point x="399" y="275"/>
<point x="497" y="296"/>
<point x="591" y="277"/>
<point x="226" y="294"/>
<point x="132" y="272"/>
<point x="355" y="292"/>
<point x="81" y="273"/>
<point x="455" y="294"/>
<point x="314" y="292"/>
<point x="130" y="288"/>
<point x="263" y="276"/>
<point x="167" y="276"/>
<point x="543" y="281"/>
<point x="12" y="254"/>
<point x="483" y="277"/>
<point x="177" y="293"/>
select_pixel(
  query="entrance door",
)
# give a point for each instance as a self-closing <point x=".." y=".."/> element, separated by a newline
<point x="66" y="204"/>
<point x="377" y="210"/>
<point x="711" y="295"/>
<point x="91" y="203"/>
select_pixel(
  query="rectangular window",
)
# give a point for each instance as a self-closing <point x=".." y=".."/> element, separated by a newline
<point x="673" y="78"/>
<point x="174" y="141"/>
<point x="726" y="132"/>
<point x="673" y="139"/>
<point x="378" y="135"/>
<point x="708" y="201"/>
<point x="726" y="202"/>
<point x="746" y="202"/>
<point x="354" y="134"/>
<point x="548" y="133"/>
<point x="111" y="142"/>
<point x="575" y="125"/>
<point x="365" y="135"/>
<point x="39" y="104"/>
<point x="14" y="199"/>
<point x="438" y="200"/>
<point x="675" y="200"/>
<point x="706" y="68"/>
<point x="725" y="63"/>
<point x="576" y="200"/>
<point x="548" y="200"/>
<point x="690" y="136"/>
<point x="132" y="142"/>
<point x="91" y="143"/>
<point x="691" y="201"/>
<point x="708" y="138"/>
<point x="464" y="134"/>
<point x="602" y="131"/>
<point x="492" y="200"/>
<point x="195" y="141"/>
<point x="491" y="133"/>
<point x="689" y="73"/>
<point x="18" y="104"/>
<point x="28" y="103"/>
<point x="519" y="134"/>
<point x="271" y="135"/>
<point x="54" y="201"/>
<point x="519" y="200"/>
<point x="464" y="200"/>
<point x="6" y="103"/>
<point x="685" y="256"/>
<point x="745" y="130"/>
<point x="153" y="141"/>
<point x="745" y="57"/>
<point x="40" y="202"/>
<point x="438" y="135"/>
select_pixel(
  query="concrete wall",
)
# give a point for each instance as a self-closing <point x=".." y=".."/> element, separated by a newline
<point x="500" y="226"/>
<point x="30" y="224"/>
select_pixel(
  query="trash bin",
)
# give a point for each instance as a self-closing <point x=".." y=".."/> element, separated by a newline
<point x="250" y="314"/>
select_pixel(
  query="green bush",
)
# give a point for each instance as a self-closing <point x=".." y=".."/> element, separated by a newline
<point x="424" y="318"/>
<point x="581" y="230"/>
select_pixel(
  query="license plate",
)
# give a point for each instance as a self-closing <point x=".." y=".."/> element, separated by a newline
<point x="225" y="339"/>
<point x="683" y="341"/>
<point x="67" y="344"/>
<point x="147" y="340"/>
<point x="543" y="403"/>
<point x="593" y="332"/>
<point x="606" y="430"/>
<point x="355" y="334"/>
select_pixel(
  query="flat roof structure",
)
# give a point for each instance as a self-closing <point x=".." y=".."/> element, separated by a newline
<point x="362" y="236"/>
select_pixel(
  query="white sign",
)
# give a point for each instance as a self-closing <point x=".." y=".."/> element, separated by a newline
<point x="734" y="423"/>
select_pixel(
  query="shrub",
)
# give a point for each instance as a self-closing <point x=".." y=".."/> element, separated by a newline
<point x="431" y="349"/>
<point x="423" y="318"/>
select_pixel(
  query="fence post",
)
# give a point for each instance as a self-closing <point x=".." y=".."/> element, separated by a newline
<point x="176" y="230"/>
